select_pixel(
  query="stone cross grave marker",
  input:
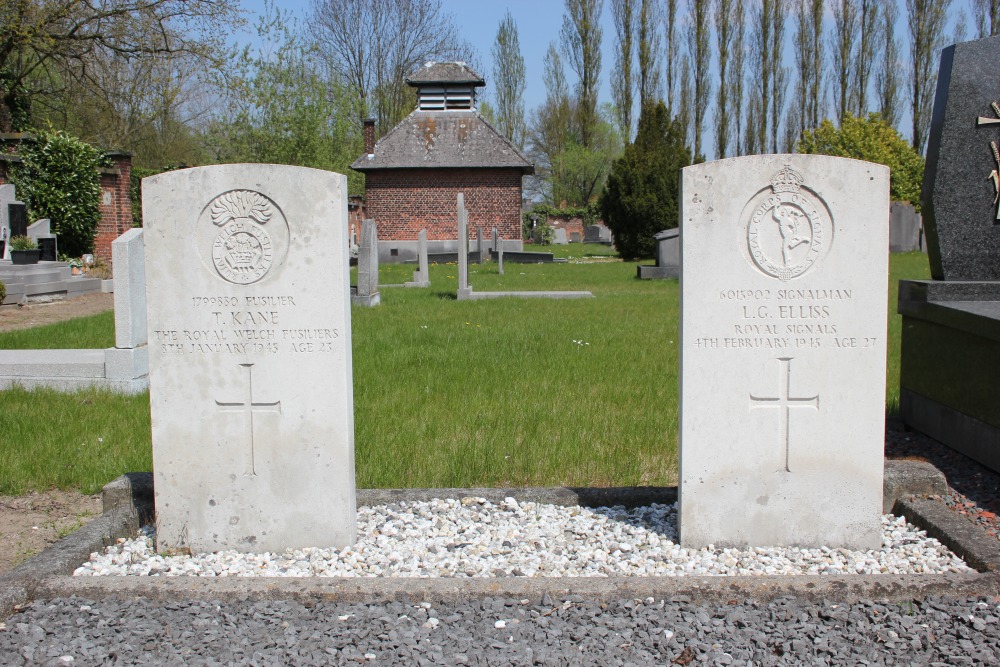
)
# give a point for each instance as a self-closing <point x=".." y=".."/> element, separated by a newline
<point x="250" y="358"/>
<point x="421" y="277"/>
<point x="367" y="293"/>
<point x="479" y="244"/>
<point x="464" y="291"/>
<point x="783" y="324"/>
<point x="961" y="190"/>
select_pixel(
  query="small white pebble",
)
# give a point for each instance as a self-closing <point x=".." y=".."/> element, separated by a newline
<point x="500" y="624"/>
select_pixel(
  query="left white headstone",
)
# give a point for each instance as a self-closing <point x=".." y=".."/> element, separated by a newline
<point x="248" y="299"/>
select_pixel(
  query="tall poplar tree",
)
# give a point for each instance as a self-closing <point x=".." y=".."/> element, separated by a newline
<point x="622" y="85"/>
<point x="763" y="67"/>
<point x="779" y="73"/>
<point x="845" y="20"/>
<point x="925" y="20"/>
<point x="509" y="81"/>
<point x="737" y="73"/>
<point x="987" y="16"/>
<point x="724" y="40"/>
<point x="887" y="79"/>
<point x="698" y="43"/>
<point x="670" y="35"/>
<point x="649" y="51"/>
<point x="581" y="43"/>
<point x="868" y="37"/>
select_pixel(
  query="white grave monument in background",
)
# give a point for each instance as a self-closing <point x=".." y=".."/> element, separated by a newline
<point x="783" y="329"/>
<point x="250" y="358"/>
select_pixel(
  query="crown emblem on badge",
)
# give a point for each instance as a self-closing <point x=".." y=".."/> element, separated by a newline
<point x="786" y="180"/>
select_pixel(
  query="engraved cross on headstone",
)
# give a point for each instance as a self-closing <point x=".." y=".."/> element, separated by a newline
<point x="995" y="174"/>
<point x="247" y="407"/>
<point x="785" y="402"/>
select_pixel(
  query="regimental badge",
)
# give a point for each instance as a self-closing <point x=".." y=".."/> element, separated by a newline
<point x="788" y="229"/>
<point x="242" y="251"/>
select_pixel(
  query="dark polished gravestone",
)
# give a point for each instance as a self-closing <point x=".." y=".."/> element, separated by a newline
<point x="950" y="350"/>
<point x="961" y="206"/>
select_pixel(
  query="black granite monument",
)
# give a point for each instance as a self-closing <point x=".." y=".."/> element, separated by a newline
<point x="950" y="365"/>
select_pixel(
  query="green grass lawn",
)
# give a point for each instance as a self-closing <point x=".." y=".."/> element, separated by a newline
<point x="507" y="392"/>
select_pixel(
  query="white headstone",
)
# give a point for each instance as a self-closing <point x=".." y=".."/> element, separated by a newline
<point x="367" y="293"/>
<point x="421" y="277"/>
<point x="463" y="250"/>
<point x="128" y="260"/>
<point x="250" y="358"/>
<point x="783" y="331"/>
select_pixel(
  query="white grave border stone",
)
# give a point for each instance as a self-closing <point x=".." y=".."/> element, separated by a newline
<point x="783" y="328"/>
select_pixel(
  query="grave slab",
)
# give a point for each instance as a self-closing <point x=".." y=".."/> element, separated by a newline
<point x="250" y="358"/>
<point x="783" y="323"/>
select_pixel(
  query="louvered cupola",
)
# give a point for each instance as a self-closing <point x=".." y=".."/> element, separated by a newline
<point x="445" y="87"/>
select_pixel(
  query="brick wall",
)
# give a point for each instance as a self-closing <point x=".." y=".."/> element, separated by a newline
<point x="571" y="225"/>
<point x="404" y="201"/>
<point x="115" y="206"/>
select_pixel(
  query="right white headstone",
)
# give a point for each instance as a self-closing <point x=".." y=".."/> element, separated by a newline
<point x="783" y="331"/>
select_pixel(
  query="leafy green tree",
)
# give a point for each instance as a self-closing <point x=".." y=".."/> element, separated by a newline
<point x="58" y="179"/>
<point x="875" y="140"/>
<point x="641" y="195"/>
<point x="287" y="107"/>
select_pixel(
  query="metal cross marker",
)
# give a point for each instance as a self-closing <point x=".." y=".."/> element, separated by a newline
<point x="784" y="401"/>
<point x="248" y="407"/>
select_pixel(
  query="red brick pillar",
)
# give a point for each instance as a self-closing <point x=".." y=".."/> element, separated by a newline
<point x="115" y="205"/>
<point x="369" y="127"/>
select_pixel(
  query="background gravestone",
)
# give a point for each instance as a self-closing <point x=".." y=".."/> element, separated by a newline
<point x="366" y="294"/>
<point x="961" y="180"/>
<point x="904" y="228"/>
<point x="250" y="357"/>
<point x="783" y="347"/>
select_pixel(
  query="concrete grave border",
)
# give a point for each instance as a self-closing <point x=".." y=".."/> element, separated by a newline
<point x="128" y="499"/>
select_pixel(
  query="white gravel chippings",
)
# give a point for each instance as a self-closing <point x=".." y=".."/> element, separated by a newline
<point x="473" y="537"/>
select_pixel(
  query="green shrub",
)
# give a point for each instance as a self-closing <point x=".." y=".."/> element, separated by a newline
<point x="874" y="140"/>
<point x="23" y="243"/>
<point x="640" y="197"/>
<point x="58" y="179"/>
<point x="3" y="291"/>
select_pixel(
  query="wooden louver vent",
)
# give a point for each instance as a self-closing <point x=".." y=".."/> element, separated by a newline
<point x="442" y="98"/>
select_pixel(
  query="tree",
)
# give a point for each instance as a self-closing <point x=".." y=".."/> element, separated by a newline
<point x="887" y="79"/>
<point x="814" y="106"/>
<point x="763" y="66"/>
<point x="987" y="17"/>
<point x="925" y="19"/>
<point x="698" y="34"/>
<point x="874" y="140"/>
<point x="641" y="195"/>
<point x="649" y="52"/>
<point x="737" y="73"/>
<point x="724" y="24"/>
<point x="868" y="19"/>
<point x="779" y="73"/>
<point x="286" y="106"/>
<point x="581" y="43"/>
<point x="550" y="130"/>
<point x="670" y="34"/>
<point x="509" y="82"/>
<point x="623" y="12"/>
<point x="58" y="179"/>
<point x="46" y="45"/>
<point x="373" y="45"/>
<point x="845" y="19"/>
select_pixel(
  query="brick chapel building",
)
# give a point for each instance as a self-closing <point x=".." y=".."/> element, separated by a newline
<point x="413" y="174"/>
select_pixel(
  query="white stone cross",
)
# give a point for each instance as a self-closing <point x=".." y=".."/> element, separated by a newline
<point x="784" y="401"/>
<point x="248" y="407"/>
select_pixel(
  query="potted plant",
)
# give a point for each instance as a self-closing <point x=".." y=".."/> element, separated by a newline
<point x="75" y="267"/>
<point x="24" y="250"/>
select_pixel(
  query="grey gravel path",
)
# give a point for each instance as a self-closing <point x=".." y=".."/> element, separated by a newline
<point x="495" y="631"/>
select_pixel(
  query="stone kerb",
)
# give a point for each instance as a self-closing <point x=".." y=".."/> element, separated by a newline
<point x="251" y="393"/>
<point x="783" y="347"/>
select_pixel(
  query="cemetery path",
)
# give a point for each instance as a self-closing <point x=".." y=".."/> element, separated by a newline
<point x="31" y="522"/>
<point x="36" y="314"/>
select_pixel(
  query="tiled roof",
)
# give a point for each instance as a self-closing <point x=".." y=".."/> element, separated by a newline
<point x="443" y="139"/>
<point x="456" y="72"/>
